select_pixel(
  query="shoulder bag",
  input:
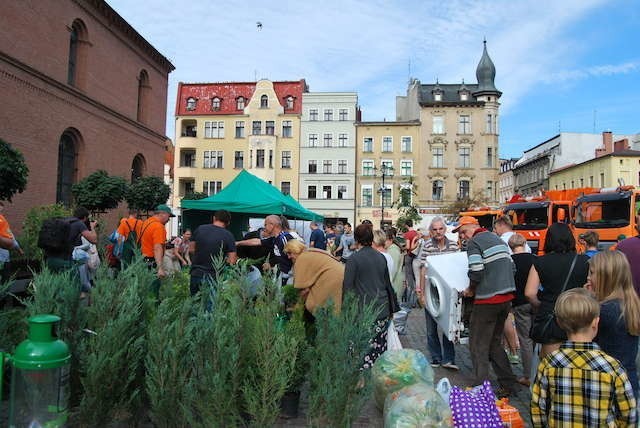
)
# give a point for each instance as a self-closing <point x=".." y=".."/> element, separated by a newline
<point x="540" y="331"/>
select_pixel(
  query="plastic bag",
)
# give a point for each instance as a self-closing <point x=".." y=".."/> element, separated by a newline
<point x="475" y="408"/>
<point x="394" y="370"/>
<point x="393" y="340"/>
<point x="417" y="405"/>
<point x="400" y="320"/>
<point x="510" y="415"/>
<point x="444" y="389"/>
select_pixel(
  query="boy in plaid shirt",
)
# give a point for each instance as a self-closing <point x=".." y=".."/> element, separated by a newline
<point x="579" y="385"/>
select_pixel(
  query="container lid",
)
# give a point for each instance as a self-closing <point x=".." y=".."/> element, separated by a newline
<point x="41" y="350"/>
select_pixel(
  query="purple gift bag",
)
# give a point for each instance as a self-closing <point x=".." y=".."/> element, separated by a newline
<point x="475" y="408"/>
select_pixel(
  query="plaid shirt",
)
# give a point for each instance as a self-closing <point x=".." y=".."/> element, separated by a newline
<point x="581" y="386"/>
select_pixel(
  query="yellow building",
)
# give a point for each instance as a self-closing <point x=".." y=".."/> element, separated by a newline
<point x="621" y="166"/>
<point x="386" y="157"/>
<point x="222" y="128"/>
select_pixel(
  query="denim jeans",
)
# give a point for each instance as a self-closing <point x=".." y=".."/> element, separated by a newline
<point x="440" y="353"/>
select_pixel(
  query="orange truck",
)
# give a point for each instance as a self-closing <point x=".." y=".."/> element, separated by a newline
<point x="485" y="216"/>
<point x="532" y="216"/>
<point x="610" y="212"/>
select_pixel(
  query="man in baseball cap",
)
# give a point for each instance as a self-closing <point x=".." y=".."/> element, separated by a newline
<point x="464" y="220"/>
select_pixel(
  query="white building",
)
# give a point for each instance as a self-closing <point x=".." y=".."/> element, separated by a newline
<point x="328" y="154"/>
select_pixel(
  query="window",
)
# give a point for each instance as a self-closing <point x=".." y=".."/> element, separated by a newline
<point x="289" y="103"/>
<point x="464" y="96"/>
<point x="240" y="103"/>
<point x="328" y="140"/>
<point x="326" y="192"/>
<point x="257" y="127"/>
<point x="313" y="167"/>
<point x="191" y="103"/>
<point x="342" y="191"/>
<point x="438" y="125"/>
<point x="313" y="140"/>
<point x="270" y="126"/>
<point x="488" y="192"/>
<point x="342" y="140"/>
<point x="285" y="187"/>
<point x="286" y="159"/>
<point x="463" y="189"/>
<point x="367" y="196"/>
<point x="438" y="157"/>
<point x="406" y="168"/>
<point x="286" y="129"/>
<point x="66" y="167"/>
<point x="238" y="159"/>
<point x="240" y="129"/>
<point x="367" y="144"/>
<point x="213" y="129"/>
<point x="270" y="158"/>
<point x="215" y="104"/>
<point x="386" y="165"/>
<point x="313" y="114"/>
<point x="490" y="157"/>
<point x="490" y="127"/>
<point x="138" y="167"/>
<point x="264" y="101"/>
<point x="464" y="124"/>
<point x="602" y="179"/>
<point x="311" y="192"/>
<point x="260" y="158"/>
<point x="328" y="115"/>
<point x="437" y="96"/>
<point x="367" y="167"/>
<point x="464" y="157"/>
<point x="211" y="187"/>
<point x="343" y="114"/>
<point x="73" y="57"/>
<point x="406" y="195"/>
<point x="386" y="196"/>
<point x="213" y="159"/>
<point x="326" y="167"/>
<point x="581" y="182"/>
<point x="342" y="166"/>
<point x="437" y="190"/>
<point x="387" y="144"/>
<point x="591" y="181"/>
<point x="406" y="145"/>
<point x="143" y="95"/>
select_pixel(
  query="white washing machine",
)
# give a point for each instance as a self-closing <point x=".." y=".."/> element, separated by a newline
<point x="447" y="275"/>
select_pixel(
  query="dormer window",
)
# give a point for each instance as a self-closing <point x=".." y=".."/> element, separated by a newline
<point x="264" y="101"/>
<point x="464" y="96"/>
<point x="437" y="96"/>
<point x="289" y="103"/>
<point x="191" y="103"/>
<point x="215" y="104"/>
<point x="240" y="103"/>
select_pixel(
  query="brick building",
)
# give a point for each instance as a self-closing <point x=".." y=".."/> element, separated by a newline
<point x="81" y="90"/>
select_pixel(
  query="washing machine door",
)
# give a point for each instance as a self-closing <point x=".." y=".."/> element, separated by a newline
<point x="447" y="276"/>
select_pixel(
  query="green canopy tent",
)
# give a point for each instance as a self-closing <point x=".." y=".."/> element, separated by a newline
<point x="245" y="197"/>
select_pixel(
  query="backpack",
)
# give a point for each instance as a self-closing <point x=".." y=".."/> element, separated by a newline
<point x="130" y="244"/>
<point x="53" y="237"/>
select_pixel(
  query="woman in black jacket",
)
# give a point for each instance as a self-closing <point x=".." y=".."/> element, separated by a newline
<point x="367" y="276"/>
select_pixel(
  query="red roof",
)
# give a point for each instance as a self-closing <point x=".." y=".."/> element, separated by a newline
<point x="229" y="92"/>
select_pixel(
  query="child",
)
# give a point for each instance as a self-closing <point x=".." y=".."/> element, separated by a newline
<point x="579" y="385"/>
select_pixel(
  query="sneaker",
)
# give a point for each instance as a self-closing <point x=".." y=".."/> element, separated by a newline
<point x="451" y="366"/>
<point x="513" y="358"/>
<point x="435" y="364"/>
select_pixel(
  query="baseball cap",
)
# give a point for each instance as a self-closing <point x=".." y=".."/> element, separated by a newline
<point x="166" y="209"/>
<point x="464" y="220"/>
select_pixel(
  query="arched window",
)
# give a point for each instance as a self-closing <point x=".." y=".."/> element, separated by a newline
<point x="138" y="167"/>
<point x="191" y="103"/>
<point x="143" y="95"/>
<point x="240" y="103"/>
<point x="289" y="103"/>
<point x="66" y="167"/>
<point x="78" y="45"/>
<point x="215" y="104"/>
<point x="264" y="101"/>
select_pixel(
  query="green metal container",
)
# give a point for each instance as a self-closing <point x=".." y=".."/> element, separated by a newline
<point x="40" y="377"/>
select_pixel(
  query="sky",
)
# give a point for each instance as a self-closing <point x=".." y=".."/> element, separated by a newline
<point x="569" y="66"/>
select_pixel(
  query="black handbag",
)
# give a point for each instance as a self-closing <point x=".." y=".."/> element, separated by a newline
<point x="541" y="330"/>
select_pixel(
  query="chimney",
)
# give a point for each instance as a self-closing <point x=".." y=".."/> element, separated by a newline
<point x="607" y="141"/>
<point x="621" y="145"/>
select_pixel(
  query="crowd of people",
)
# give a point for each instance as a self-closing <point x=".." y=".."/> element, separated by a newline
<point x="579" y="314"/>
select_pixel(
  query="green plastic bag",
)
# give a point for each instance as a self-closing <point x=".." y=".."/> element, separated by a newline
<point x="396" y="369"/>
<point x="416" y="406"/>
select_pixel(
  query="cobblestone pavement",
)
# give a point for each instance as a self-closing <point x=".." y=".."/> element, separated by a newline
<point x="416" y="338"/>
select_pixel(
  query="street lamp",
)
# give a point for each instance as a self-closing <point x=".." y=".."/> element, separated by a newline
<point x="385" y="171"/>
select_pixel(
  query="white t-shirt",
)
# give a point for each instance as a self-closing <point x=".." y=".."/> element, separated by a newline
<point x="390" y="264"/>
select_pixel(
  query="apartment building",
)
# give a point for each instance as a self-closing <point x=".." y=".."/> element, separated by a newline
<point x="328" y="154"/>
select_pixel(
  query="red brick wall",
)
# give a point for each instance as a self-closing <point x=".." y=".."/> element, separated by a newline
<point x="37" y="108"/>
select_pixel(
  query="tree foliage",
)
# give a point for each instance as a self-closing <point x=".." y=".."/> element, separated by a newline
<point x="99" y="192"/>
<point x="13" y="171"/>
<point x="146" y="193"/>
<point x="193" y="196"/>
<point x="32" y="224"/>
<point x="406" y="209"/>
<point x="475" y="200"/>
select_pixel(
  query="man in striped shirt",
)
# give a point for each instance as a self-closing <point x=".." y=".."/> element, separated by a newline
<point x="492" y="285"/>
